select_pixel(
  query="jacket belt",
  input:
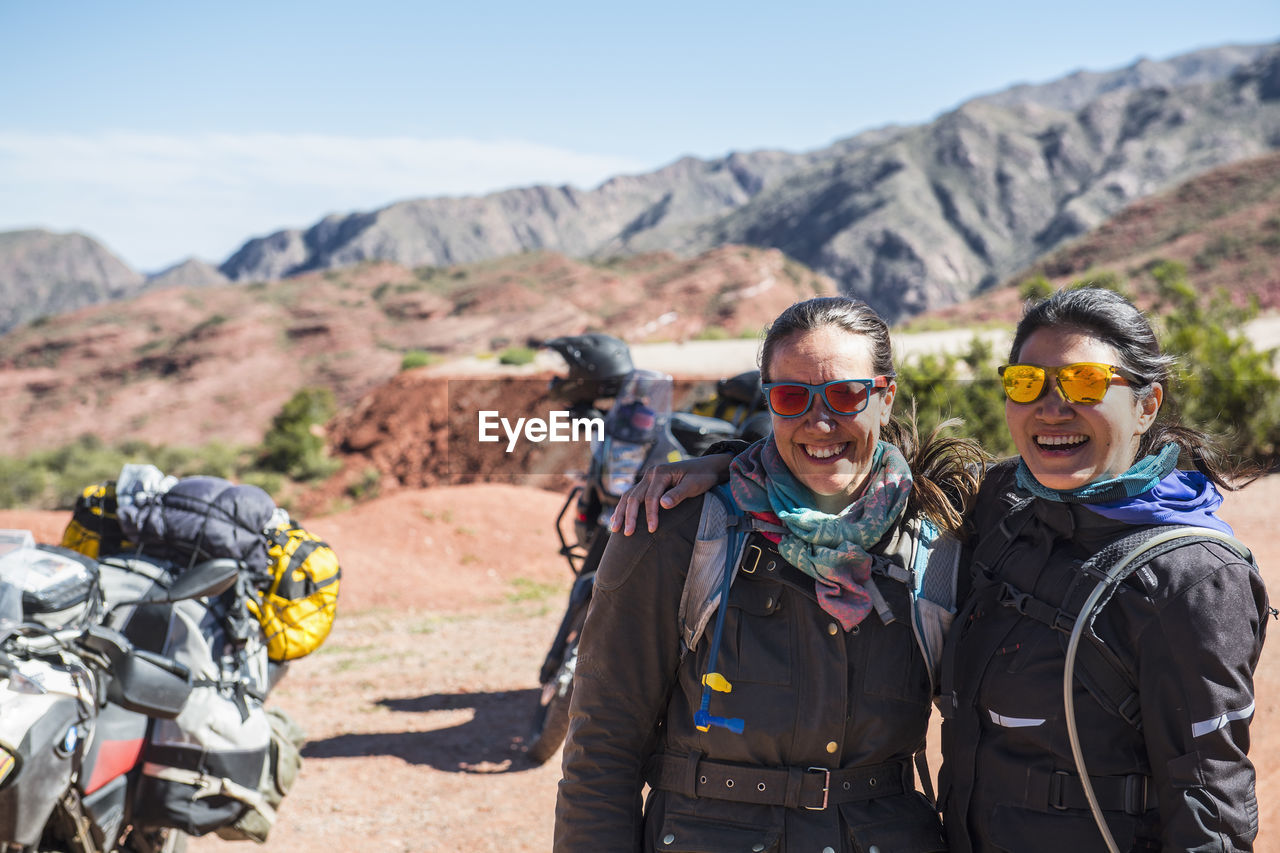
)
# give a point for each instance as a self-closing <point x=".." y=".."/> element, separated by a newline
<point x="793" y="787"/>
<point x="1060" y="790"/>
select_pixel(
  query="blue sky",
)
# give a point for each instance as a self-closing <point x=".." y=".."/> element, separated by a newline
<point x="168" y="130"/>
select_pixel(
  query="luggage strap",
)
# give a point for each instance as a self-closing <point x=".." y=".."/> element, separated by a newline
<point x="212" y="786"/>
<point x="812" y="788"/>
<point x="1059" y="790"/>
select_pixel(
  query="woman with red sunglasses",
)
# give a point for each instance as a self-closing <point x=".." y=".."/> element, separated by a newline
<point x="799" y="732"/>
<point x="1160" y="667"/>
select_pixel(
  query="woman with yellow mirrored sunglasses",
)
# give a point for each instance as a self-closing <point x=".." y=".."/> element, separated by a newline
<point x="1162" y="726"/>
<point x="1085" y="382"/>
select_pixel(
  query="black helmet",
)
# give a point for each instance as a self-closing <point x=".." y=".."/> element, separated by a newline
<point x="756" y="427"/>
<point x="743" y="388"/>
<point x="598" y="363"/>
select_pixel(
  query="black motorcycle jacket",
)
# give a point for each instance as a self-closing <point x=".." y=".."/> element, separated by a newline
<point x="1164" y="737"/>
<point x="831" y="718"/>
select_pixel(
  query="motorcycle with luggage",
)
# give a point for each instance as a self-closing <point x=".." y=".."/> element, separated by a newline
<point x="641" y="429"/>
<point x="135" y="660"/>
<point x="78" y="696"/>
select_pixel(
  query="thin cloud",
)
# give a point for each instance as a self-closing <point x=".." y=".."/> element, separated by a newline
<point x="157" y="198"/>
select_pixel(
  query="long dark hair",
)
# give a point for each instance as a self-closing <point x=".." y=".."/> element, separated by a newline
<point x="1115" y="321"/>
<point x="945" y="469"/>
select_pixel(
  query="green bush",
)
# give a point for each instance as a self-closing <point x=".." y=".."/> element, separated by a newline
<point x="269" y="481"/>
<point x="295" y="444"/>
<point x="963" y="386"/>
<point x="53" y="479"/>
<point x="23" y="485"/>
<point x="418" y="358"/>
<point x="516" y="356"/>
<point x="368" y="486"/>
<point x="1035" y="288"/>
<point x="1222" y="384"/>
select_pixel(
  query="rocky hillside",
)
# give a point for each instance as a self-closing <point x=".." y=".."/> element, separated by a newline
<point x="941" y="211"/>
<point x="43" y="274"/>
<point x="1224" y="226"/>
<point x="1078" y="89"/>
<point x="183" y="366"/>
<point x="908" y="218"/>
<point x="192" y="272"/>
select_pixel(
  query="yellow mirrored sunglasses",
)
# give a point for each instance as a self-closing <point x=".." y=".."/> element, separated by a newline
<point x="1085" y="382"/>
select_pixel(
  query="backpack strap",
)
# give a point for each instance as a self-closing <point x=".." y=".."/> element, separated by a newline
<point x="1122" y="561"/>
<point x="933" y="570"/>
<point x="1097" y="667"/>
<point x="1103" y="673"/>
<point x="981" y="563"/>
<point x="993" y="545"/>
<point x="722" y="532"/>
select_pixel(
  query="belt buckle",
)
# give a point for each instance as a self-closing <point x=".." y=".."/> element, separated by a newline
<point x="1058" y="789"/>
<point x="1135" y="794"/>
<point x="826" y="788"/>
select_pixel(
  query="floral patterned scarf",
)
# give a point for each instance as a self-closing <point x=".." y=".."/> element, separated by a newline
<point x="832" y="549"/>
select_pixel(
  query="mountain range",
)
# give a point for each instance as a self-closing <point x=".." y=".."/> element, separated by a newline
<point x="193" y="364"/>
<point x="909" y="218"/>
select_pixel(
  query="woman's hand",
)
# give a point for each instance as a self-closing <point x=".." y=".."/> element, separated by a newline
<point x="668" y="484"/>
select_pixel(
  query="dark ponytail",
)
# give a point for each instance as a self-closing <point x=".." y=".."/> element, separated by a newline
<point x="946" y="470"/>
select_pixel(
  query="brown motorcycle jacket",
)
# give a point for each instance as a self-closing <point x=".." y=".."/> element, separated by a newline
<point x="831" y="719"/>
<point x="1164" y="736"/>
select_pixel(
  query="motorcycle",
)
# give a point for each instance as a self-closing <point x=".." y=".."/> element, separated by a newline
<point x="78" y="696"/>
<point x="640" y="430"/>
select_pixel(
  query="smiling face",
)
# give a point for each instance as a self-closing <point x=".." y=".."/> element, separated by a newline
<point x="829" y="453"/>
<point x="1068" y="445"/>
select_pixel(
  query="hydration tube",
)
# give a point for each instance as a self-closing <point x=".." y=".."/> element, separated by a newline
<point x="1068" y="673"/>
<point x="703" y="719"/>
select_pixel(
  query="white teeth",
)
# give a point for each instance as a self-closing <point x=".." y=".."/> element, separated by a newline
<point x="1061" y="440"/>
<point x="825" y="452"/>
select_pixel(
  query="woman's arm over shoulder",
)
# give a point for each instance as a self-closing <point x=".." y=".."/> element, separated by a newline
<point x="628" y="659"/>
<point x="1196" y="667"/>
<point x="666" y="485"/>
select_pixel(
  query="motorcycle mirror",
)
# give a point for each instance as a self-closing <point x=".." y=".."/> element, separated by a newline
<point x="208" y="578"/>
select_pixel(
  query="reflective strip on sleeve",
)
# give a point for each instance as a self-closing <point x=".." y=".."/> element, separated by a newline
<point x="1214" y="723"/>
<point x="1014" y="722"/>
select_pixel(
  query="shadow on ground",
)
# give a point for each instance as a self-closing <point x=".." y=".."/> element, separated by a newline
<point x="492" y="741"/>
